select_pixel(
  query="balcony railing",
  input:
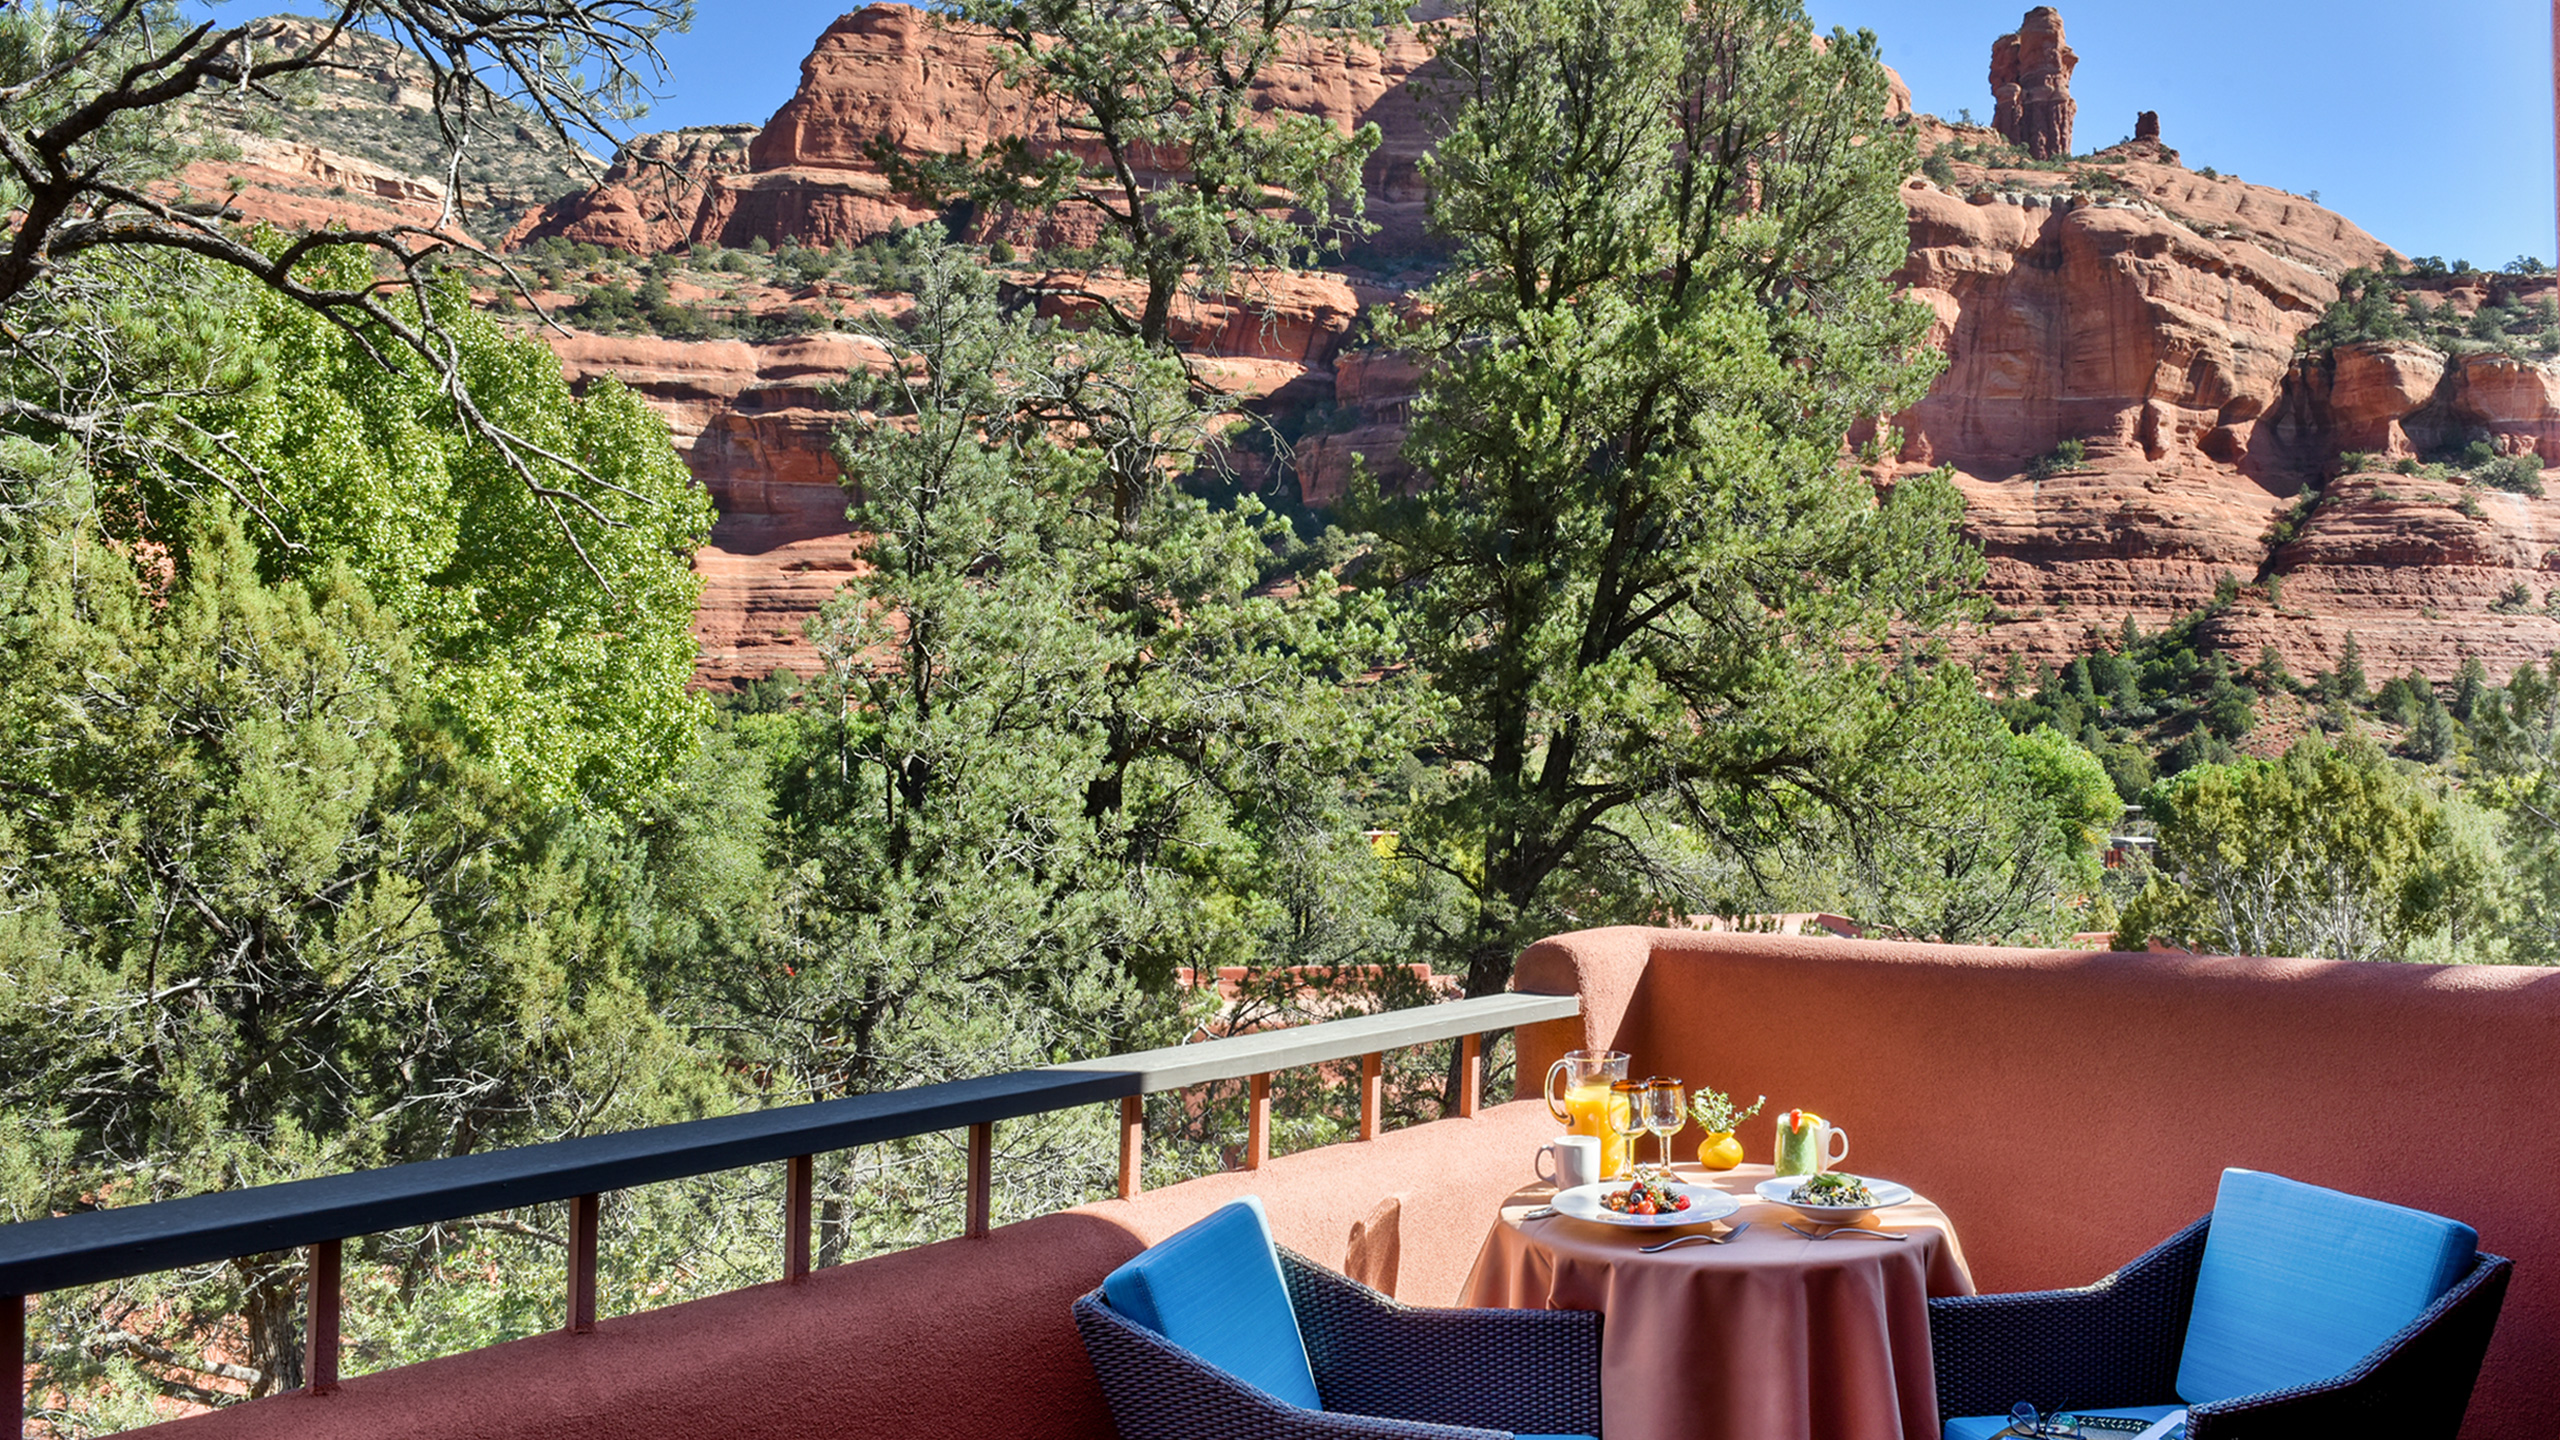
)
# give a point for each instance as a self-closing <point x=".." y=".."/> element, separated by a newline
<point x="113" y="1244"/>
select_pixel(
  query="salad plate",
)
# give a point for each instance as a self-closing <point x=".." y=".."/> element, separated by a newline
<point x="1782" y="1191"/>
<point x="1590" y="1202"/>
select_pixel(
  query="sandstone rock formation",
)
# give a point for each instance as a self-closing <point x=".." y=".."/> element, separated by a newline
<point x="2146" y="126"/>
<point x="2397" y="562"/>
<point x="2144" y="310"/>
<point x="749" y="420"/>
<point x="648" y="198"/>
<point x="357" y="143"/>
<point x="893" y="74"/>
<point x="2031" y="85"/>
<point x="2398" y="398"/>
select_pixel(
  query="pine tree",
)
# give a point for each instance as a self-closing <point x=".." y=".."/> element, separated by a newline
<point x="2347" y="682"/>
<point x="1651" y="594"/>
<point x="2470" y="684"/>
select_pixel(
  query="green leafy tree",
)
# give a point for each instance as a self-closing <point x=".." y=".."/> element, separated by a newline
<point x="555" y="633"/>
<point x="1168" y="141"/>
<point x="2327" y="852"/>
<point x="2011" y="854"/>
<point x="1051" y="756"/>
<point x="95" y="118"/>
<point x="1647" y="588"/>
<point x="266" y="918"/>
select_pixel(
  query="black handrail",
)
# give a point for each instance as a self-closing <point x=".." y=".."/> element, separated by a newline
<point x="62" y="1252"/>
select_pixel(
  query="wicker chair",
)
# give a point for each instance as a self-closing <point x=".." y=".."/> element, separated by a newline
<point x="1364" y="1367"/>
<point x="2128" y="1347"/>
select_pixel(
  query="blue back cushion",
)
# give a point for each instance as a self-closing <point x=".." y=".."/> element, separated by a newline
<point x="1215" y="1290"/>
<point x="2300" y="1283"/>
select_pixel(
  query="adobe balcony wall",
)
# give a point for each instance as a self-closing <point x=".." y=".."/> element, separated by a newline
<point x="2069" y="1110"/>
<point x="960" y="1340"/>
<point x="2066" y="1109"/>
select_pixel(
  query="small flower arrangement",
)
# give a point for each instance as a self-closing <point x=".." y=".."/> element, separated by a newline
<point x="1714" y="1112"/>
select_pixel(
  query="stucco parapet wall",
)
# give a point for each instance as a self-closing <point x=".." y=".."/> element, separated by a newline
<point x="958" y="1340"/>
<point x="2069" y="1108"/>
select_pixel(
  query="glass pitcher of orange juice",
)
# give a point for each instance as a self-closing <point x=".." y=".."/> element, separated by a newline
<point x="1583" y="1103"/>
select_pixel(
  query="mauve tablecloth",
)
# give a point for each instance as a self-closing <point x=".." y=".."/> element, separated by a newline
<point x="1768" y="1337"/>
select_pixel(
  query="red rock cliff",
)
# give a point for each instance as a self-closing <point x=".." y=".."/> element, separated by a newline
<point x="892" y="73"/>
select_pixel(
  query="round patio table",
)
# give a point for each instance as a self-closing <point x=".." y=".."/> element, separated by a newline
<point x="1769" y="1336"/>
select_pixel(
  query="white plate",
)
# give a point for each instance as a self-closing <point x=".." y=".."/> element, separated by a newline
<point x="1886" y="1193"/>
<point x="1706" y="1203"/>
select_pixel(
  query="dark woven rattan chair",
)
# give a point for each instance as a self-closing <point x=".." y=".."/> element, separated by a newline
<point x="1382" y="1370"/>
<point x="2120" y="1345"/>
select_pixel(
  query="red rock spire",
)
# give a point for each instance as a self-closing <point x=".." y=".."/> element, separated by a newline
<point x="2031" y="84"/>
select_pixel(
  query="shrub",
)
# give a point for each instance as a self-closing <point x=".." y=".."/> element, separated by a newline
<point x="2367" y="308"/>
<point x="2069" y="455"/>
<point x="2514" y="600"/>
<point x="2521" y="474"/>
<point x="2403" y="699"/>
<point x="607" y="307"/>
<point x="1000" y="251"/>
<point x="2290" y="524"/>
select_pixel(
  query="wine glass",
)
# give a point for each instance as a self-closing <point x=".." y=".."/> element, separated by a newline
<point x="1666" y="1110"/>
<point x="1630" y="1116"/>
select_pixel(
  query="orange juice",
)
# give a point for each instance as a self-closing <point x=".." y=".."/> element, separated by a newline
<point x="1587" y="1110"/>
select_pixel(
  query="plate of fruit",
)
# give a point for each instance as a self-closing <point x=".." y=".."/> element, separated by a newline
<point x="1832" y="1195"/>
<point x="1650" y="1203"/>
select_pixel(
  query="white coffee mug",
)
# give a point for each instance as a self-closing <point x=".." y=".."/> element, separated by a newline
<point x="1577" y="1160"/>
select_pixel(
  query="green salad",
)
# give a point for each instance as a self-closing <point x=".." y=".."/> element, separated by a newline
<point x="1833" y="1190"/>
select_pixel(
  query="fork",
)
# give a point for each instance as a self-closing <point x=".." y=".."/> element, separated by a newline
<point x="1685" y="1239"/>
<point x="1839" y="1230"/>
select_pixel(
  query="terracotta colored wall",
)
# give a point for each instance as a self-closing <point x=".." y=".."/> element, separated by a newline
<point x="962" y="1340"/>
<point x="2069" y="1109"/>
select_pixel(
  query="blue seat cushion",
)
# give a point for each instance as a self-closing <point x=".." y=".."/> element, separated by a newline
<point x="1215" y="1290"/>
<point x="2299" y="1283"/>
<point x="1983" y="1427"/>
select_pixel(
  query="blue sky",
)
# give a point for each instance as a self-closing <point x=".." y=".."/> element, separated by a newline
<point x="2429" y="126"/>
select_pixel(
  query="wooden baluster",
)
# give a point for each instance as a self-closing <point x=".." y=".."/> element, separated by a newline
<point x="1470" y="1073"/>
<point x="982" y="1161"/>
<point x="1133" y="1143"/>
<point x="1257" y="1134"/>
<point x="13" y="1340"/>
<point x="320" y="1325"/>
<point x="1373" y="1093"/>
<point x="799" y="1187"/>
<point x="584" y="1213"/>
